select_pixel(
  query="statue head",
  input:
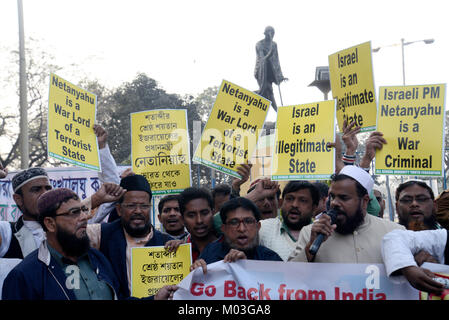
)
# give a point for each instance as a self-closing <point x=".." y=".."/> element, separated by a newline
<point x="269" y="32"/>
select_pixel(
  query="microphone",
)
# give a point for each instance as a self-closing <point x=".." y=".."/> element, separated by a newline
<point x="319" y="239"/>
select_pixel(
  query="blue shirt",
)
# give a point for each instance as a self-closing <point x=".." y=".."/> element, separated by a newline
<point x="216" y="251"/>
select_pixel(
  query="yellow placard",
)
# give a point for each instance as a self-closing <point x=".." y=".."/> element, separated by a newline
<point x="412" y="121"/>
<point x="71" y="117"/>
<point x="300" y="149"/>
<point x="232" y="130"/>
<point x="155" y="267"/>
<point x="352" y="84"/>
<point x="160" y="149"/>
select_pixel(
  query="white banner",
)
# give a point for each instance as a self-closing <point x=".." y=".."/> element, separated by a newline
<point x="273" y="280"/>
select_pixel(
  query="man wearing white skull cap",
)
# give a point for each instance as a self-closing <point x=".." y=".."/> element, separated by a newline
<point x="354" y="236"/>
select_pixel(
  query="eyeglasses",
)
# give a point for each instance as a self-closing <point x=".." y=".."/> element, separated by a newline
<point x="73" y="213"/>
<point x="235" y="223"/>
<point x="134" y="206"/>
<point x="418" y="199"/>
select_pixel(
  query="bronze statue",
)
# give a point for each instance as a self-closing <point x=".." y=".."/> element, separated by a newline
<point x="268" y="68"/>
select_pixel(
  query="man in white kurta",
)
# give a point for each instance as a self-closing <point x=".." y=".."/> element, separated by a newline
<point x="399" y="250"/>
<point x="362" y="246"/>
<point x="355" y="237"/>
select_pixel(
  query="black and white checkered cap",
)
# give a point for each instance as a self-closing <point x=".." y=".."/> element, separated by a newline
<point x="27" y="175"/>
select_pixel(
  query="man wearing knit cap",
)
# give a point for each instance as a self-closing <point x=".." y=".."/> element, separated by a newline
<point x="356" y="236"/>
<point x="263" y="192"/>
<point x="416" y="207"/>
<point x="26" y="233"/>
<point x="64" y="267"/>
<point x="134" y="229"/>
<point x="377" y="192"/>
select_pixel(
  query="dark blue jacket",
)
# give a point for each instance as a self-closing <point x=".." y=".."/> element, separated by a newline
<point x="113" y="246"/>
<point x="216" y="251"/>
<point x="40" y="277"/>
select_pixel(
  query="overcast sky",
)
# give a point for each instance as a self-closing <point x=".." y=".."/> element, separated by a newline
<point x="188" y="45"/>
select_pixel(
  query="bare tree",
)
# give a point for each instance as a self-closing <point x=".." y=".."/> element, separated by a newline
<point x="39" y="67"/>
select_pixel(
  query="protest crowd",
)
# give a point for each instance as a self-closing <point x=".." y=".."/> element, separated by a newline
<point x="58" y="231"/>
<point x="319" y="212"/>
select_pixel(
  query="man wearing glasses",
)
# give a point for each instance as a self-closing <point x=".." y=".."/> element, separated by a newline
<point x="353" y="236"/>
<point x="64" y="267"/>
<point x="26" y="234"/>
<point x="134" y="229"/>
<point x="240" y="228"/>
<point x="415" y="206"/>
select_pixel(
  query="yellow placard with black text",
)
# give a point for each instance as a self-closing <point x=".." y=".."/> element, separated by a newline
<point x="155" y="267"/>
<point x="352" y="85"/>
<point x="442" y="278"/>
<point x="160" y="149"/>
<point x="71" y="117"/>
<point x="301" y="150"/>
<point x="411" y="119"/>
<point x="233" y="129"/>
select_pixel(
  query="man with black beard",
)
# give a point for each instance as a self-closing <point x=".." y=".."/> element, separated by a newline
<point x="134" y="229"/>
<point x="415" y="205"/>
<point x="22" y="237"/>
<point x="241" y="223"/>
<point x="356" y="236"/>
<point x="64" y="267"/>
<point x="298" y="203"/>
